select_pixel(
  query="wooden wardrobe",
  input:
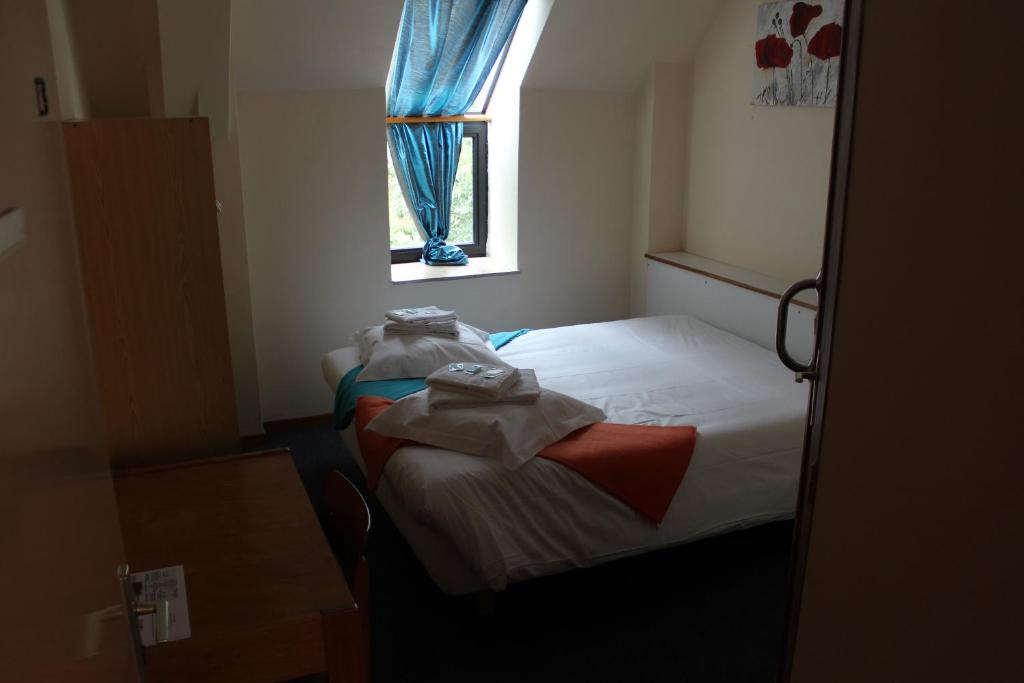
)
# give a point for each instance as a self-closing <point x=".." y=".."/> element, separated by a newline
<point x="146" y="222"/>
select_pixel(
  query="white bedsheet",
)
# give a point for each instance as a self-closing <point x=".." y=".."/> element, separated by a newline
<point x="669" y="370"/>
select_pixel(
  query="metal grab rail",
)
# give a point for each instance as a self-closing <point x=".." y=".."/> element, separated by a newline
<point x="803" y="370"/>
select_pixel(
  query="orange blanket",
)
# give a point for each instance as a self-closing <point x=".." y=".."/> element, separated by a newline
<point x="640" y="465"/>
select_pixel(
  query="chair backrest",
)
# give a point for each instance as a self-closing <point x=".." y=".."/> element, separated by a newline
<point x="348" y="521"/>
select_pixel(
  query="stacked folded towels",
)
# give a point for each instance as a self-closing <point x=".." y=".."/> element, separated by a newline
<point x="467" y="385"/>
<point x="423" y="320"/>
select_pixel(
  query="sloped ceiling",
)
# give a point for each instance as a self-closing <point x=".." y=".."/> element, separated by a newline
<point x="312" y="44"/>
<point x="605" y="45"/>
<point x="609" y="45"/>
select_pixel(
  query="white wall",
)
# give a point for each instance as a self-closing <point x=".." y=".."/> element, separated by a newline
<point x="314" y="172"/>
<point x="195" y="42"/>
<point x="641" y="209"/>
<point x="115" y="48"/>
<point x="503" y="136"/>
<point x="235" y="264"/>
<point x="195" y="47"/>
<point x="65" y="61"/>
<point x="660" y="168"/>
<point x="758" y="176"/>
<point x="668" y="156"/>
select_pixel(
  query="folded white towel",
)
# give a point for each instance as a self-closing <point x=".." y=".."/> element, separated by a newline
<point x="420" y="315"/>
<point x="447" y="328"/>
<point x="482" y="381"/>
<point x="523" y="391"/>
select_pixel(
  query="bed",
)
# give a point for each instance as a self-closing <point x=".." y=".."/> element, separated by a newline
<point x="478" y="526"/>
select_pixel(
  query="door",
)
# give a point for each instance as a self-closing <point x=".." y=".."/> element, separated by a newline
<point x="908" y="565"/>
<point x="60" y="542"/>
<point x="825" y="285"/>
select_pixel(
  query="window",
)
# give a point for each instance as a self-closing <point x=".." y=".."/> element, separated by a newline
<point x="469" y="196"/>
<point x="469" y="203"/>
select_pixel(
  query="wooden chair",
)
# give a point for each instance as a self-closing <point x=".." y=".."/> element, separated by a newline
<point x="348" y="523"/>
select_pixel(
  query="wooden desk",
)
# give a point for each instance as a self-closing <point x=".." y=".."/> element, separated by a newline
<point x="267" y="600"/>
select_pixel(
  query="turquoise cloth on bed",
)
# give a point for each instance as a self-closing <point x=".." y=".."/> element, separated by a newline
<point x="349" y="389"/>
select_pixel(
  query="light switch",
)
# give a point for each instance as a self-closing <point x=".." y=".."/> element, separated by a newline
<point x="12" y="229"/>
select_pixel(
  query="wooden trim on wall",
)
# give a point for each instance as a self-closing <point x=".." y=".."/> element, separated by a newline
<point x="728" y="280"/>
<point x="464" y="118"/>
<point x="253" y="442"/>
<point x="278" y="426"/>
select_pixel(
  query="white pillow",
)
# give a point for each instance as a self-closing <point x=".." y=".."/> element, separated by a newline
<point x="513" y="433"/>
<point x="397" y="356"/>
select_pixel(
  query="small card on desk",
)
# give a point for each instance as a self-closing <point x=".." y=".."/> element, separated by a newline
<point x="165" y="589"/>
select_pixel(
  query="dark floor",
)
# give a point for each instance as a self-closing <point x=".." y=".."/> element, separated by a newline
<point x="705" y="612"/>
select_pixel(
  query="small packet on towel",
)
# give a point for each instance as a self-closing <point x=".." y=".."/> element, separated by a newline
<point x="421" y="315"/>
<point x="483" y="381"/>
<point x="524" y="391"/>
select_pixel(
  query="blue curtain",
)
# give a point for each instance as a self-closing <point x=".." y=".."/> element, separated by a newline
<point x="444" y="52"/>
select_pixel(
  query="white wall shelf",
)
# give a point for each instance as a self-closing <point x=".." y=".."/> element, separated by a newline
<point x="734" y="275"/>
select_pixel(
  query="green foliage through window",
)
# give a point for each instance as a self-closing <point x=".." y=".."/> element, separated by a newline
<point x="404" y="233"/>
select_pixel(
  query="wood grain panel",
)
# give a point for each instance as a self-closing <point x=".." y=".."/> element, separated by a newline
<point x="460" y="118"/>
<point x="145" y="214"/>
<point x="265" y="592"/>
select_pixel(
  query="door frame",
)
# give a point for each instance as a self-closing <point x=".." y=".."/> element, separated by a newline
<point x="828" y="288"/>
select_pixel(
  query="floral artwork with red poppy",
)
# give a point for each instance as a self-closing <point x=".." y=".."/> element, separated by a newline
<point x="797" y="50"/>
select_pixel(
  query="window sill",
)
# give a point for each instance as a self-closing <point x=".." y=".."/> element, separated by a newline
<point x="403" y="273"/>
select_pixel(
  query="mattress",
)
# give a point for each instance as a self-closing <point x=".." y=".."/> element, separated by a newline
<point x="543" y="518"/>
